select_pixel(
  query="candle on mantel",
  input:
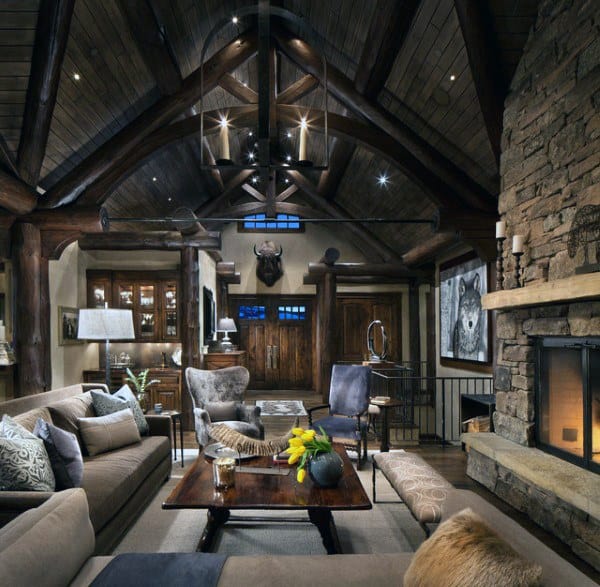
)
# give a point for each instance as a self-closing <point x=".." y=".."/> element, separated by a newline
<point x="501" y="229"/>
<point x="224" y="136"/>
<point x="302" y="149"/>
<point x="517" y="243"/>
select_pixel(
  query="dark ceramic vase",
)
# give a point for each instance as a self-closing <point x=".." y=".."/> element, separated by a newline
<point x="326" y="469"/>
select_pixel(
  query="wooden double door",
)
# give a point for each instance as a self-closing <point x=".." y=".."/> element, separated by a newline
<point x="277" y="333"/>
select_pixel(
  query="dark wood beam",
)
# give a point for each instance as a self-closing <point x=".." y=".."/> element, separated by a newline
<point x="364" y="269"/>
<point x="149" y="241"/>
<point x="15" y="195"/>
<point x="7" y="161"/>
<point x="164" y="110"/>
<point x="215" y="179"/>
<point x="326" y="332"/>
<point x="430" y="248"/>
<point x="154" y="47"/>
<point x="54" y="20"/>
<point x="339" y="159"/>
<point x="422" y="162"/>
<point x="208" y="208"/>
<point x="66" y="218"/>
<point x="287" y="193"/>
<point x="484" y="62"/>
<point x="254" y="192"/>
<point x="238" y="89"/>
<point x="300" y="88"/>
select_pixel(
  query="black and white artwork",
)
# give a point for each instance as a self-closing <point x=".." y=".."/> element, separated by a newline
<point x="464" y="333"/>
<point x="68" y="320"/>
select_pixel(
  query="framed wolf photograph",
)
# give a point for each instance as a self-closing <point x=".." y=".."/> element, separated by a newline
<point x="464" y="325"/>
<point x="68" y="320"/>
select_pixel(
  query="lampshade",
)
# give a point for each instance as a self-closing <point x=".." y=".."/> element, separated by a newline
<point x="105" y="324"/>
<point x="226" y="325"/>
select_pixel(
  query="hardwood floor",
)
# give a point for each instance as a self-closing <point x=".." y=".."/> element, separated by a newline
<point x="449" y="461"/>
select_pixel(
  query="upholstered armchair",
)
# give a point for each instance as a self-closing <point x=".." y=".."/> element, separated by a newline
<point x="349" y="394"/>
<point x="218" y="396"/>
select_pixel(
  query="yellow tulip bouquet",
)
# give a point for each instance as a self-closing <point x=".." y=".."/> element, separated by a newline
<point x="304" y="445"/>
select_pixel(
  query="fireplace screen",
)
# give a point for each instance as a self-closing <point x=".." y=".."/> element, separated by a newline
<point x="568" y="399"/>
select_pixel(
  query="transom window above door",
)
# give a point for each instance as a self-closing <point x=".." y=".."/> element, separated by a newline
<point x="281" y="223"/>
<point x="291" y="312"/>
<point x="246" y="312"/>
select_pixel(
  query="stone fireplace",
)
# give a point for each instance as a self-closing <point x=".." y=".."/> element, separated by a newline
<point x="550" y="194"/>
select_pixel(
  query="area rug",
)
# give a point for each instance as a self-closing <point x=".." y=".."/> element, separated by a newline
<point x="388" y="527"/>
<point x="281" y="407"/>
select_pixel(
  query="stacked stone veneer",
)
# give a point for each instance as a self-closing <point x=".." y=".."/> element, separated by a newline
<point x="550" y="167"/>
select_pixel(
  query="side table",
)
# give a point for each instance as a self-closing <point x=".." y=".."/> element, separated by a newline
<point x="175" y="419"/>
<point x="385" y="425"/>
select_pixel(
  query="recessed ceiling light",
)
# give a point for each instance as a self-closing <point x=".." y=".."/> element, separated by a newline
<point x="250" y="134"/>
<point x="287" y="180"/>
<point x="254" y="179"/>
<point x="154" y="178"/>
<point x="76" y="77"/>
<point x="288" y="158"/>
<point x="382" y="179"/>
<point x="251" y="156"/>
<point x="169" y="199"/>
<point x="234" y="20"/>
<point x="452" y="77"/>
<point x="288" y="134"/>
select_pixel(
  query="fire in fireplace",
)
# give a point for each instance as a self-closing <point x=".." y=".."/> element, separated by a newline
<point x="567" y="419"/>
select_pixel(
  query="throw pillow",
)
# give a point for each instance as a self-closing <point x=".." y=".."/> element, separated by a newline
<point x="64" y="453"/>
<point x="66" y="412"/>
<point x="105" y="404"/>
<point x="109" y="432"/>
<point x="128" y="395"/>
<point x="464" y="552"/>
<point x="25" y="466"/>
<point x="13" y="430"/>
<point x="222" y="411"/>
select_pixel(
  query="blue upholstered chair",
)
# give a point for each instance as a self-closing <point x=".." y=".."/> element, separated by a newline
<point x="349" y="394"/>
<point x="218" y="396"/>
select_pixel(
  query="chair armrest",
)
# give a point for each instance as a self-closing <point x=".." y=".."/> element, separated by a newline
<point x="251" y="414"/>
<point x="201" y="424"/>
<point x="159" y="425"/>
<point x="309" y="411"/>
<point x="13" y="503"/>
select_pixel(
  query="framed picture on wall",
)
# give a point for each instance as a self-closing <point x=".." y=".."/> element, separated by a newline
<point x="464" y="325"/>
<point x="68" y="321"/>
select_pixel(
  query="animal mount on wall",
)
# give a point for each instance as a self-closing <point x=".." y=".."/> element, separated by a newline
<point x="585" y="230"/>
<point x="268" y="262"/>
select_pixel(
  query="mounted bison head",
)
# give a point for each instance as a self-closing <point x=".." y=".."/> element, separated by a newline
<point x="268" y="263"/>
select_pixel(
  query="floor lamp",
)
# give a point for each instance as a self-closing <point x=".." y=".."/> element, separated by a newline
<point x="106" y="324"/>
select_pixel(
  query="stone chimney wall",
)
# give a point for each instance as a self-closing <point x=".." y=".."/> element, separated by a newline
<point x="550" y="170"/>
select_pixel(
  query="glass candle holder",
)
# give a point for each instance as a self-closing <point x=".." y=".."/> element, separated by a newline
<point x="224" y="472"/>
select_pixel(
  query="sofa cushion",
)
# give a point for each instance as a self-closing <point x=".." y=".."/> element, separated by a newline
<point x="64" y="453"/>
<point x="65" y="413"/>
<point x="465" y="552"/>
<point x="47" y="545"/>
<point x="105" y="404"/>
<point x="28" y="419"/>
<point x="105" y="433"/>
<point x="222" y="411"/>
<point x="111" y="478"/>
<point x="25" y="466"/>
<point x="12" y="430"/>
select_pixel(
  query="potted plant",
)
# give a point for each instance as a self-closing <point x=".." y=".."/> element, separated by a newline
<point x="141" y="383"/>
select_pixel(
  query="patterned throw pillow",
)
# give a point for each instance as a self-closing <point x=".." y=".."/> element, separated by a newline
<point x="25" y="466"/>
<point x="64" y="453"/>
<point x="105" y="404"/>
<point x="13" y="430"/>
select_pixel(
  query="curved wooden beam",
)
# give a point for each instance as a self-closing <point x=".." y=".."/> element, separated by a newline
<point x="15" y="195"/>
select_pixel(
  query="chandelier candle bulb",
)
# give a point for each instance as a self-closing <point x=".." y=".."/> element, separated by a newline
<point x="501" y="229"/>
<point x="517" y="243"/>
<point x="224" y="136"/>
<point x="302" y="148"/>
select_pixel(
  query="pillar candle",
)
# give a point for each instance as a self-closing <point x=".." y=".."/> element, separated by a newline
<point x="302" y="149"/>
<point x="517" y="244"/>
<point x="224" y="135"/>
<point x="501" y="229"/>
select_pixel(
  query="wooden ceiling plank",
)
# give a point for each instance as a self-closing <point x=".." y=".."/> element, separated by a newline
<point x="155" y="49"/>
<point x="237" y="89"/>
<point x="485" y="64"/>
<point x="432" y="162"/>
<point x="161" y="112"/>
<point x="300" y="88"/>
<point x="54" y="21"/>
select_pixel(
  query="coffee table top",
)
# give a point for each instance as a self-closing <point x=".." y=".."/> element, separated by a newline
<point x="267" y="492"/>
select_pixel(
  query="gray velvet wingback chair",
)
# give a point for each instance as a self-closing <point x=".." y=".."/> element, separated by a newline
<point x="218" y="396"/>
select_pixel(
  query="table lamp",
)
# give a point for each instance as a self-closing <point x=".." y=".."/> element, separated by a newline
<point x="106" y="324"/>
<point x="226" y="325"/>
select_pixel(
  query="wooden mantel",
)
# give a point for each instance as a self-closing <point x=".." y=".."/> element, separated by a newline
<point x="569" y="289"/>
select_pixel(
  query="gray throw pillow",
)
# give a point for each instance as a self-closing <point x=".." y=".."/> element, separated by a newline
<point x="64" y="453"/>
<point x="109" y="432"/>
<point x="222" y="411"/>
<point x="105" y="404"/>
<point x="13" y="430"/>
<point x="25" y="466"/>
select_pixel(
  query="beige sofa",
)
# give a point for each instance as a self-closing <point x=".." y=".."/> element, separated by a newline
<point x="118" y="484"/>
<point x="52" y="545"/>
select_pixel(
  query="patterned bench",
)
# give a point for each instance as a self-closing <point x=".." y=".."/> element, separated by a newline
<point x="418" y="485"/>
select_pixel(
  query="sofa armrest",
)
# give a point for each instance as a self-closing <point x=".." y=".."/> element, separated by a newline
<point x="13" y="503"/>
<point x="159" y="425"/>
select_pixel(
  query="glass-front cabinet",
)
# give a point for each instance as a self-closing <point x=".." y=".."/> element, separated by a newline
<point x="151" y="296"/>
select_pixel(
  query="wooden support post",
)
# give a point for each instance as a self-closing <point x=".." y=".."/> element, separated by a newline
<point x="190" y="325"/>
<point x="326" y="296"/>
<point x="32" y="326"/>
<point x="414" y="346"/>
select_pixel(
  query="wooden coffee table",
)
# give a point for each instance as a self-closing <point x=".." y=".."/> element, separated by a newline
<point x="256" y="491"/>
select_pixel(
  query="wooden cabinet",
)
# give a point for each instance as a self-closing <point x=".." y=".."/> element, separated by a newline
<point x="152" y="296"/>
<point x="214" y="361"/>
<point x="167" y="391"/>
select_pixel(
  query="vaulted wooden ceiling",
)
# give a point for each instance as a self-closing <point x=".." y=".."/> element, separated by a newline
<point x="416" y="89"/>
